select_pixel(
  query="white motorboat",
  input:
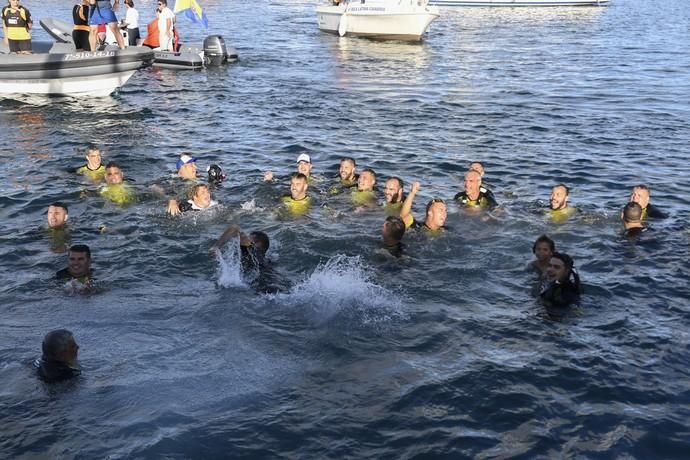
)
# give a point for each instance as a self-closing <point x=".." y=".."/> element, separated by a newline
<point x="510" y="3"/>
<point x="381" y="19"/>
<point x="57" y="69"/>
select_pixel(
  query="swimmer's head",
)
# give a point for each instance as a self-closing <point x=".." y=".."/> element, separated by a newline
<point x="560" y="267"/>
<point x="347" y="169"/>
<point x="477" y="166"/>
<point x="79" y="260"/>
<point x="393" y="190"/>
<point x="260" y="244"/>
<point x="559" y="197"/>
<point x="632" y="213"/>
<point x="640" y="195"/>
<point x="473" y="181"/>
<point x="201" y="196"/>
<point x="304" y="164"/>
<point x="60" y="346"/>
<point x="57" y="214"/>
<point x="93" y="156"/>
<point x="113" y="173"/>
<point x="543" y="248"/>
<point x="366" y="180"/>
<point x="298" y="186"/>
<point x="215" y="174"/>
<point x="186" y="166"/>
<point x="393" y="229"/>
<point x="436" y="213"/>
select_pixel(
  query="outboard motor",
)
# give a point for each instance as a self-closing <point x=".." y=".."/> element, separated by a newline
<point x="215" y="52"/>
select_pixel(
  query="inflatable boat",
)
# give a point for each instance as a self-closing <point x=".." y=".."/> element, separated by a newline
<point x="213" y="52"/>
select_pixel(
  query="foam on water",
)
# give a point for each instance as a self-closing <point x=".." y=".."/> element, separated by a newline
<point x="229" y="271"/>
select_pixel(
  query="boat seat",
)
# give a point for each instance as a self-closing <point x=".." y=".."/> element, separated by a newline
<point x="62" y="48"/>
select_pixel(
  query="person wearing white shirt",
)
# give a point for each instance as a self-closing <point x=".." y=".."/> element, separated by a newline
<point x="131" y="23"/>
<point x="166" y="21"/>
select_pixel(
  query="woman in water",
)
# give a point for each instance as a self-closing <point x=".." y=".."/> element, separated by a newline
<point x="562" y="282"/>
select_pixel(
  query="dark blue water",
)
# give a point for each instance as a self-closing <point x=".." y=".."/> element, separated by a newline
<point x="445" y="354"/>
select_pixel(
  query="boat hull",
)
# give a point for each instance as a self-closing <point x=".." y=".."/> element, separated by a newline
<point x="95" y="86"/>
<point x="376" y="22"/>
<point x="521" y="3"/>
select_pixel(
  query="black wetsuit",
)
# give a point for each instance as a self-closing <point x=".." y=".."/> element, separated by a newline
<point x="396" y="250"/>
<point x="559" y="294"/>
<point x="54" y="371"/>
<point x="65" y="275"/>
<point x="653" y="212"/>
<point x="484" y="200"/>
<point x="80" y="33"/>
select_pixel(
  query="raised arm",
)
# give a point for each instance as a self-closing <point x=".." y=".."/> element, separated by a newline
<point x="231" y="232"/>
<point x="406" y="211"/>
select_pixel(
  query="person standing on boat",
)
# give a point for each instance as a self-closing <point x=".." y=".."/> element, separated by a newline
<point x="131" y="23"/>
<point x="16" y="25"/>
<point x="166" y="20"/>
<point x="103" y="12"/>
<point x="80" y="33"/>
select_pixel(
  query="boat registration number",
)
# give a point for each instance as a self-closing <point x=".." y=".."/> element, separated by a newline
<point x="76" y="56"/>
<point x="367" y="8"/>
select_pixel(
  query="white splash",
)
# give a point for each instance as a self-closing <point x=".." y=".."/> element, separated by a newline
<point x="229" y="266"/>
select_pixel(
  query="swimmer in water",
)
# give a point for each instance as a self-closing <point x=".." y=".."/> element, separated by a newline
<point x="436" y="213"/>
<point x="115" y="189"/>
<point x="392" y="233"/>
<point x="57" y="216"/>
<point x="200" y="200"/>
<point x="78" y="274"/>
<point x="632" y="220"/>
<point x="394" y="195"/>
<point x="297" y="202"/>
<point x="304" y="166"/>
<point x="93" y="168"/>
<point x="640" y="195"/>
<point x="562" y="282"/>
<point x="484" y="187"/>
<point x="475" y="196"/>
<point x="59" y="360"/>
<point x="559" y="211"/>
<point x="364" y="194"/>
<point x="347" y="176"/>
<point x="543" y="250"/>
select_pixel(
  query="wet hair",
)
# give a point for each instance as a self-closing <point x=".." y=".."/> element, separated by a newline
<point x="394" y="227"/>
<point x="92" y="148"/>
<point x="401" y="184"/>
<point x="570" y="266"/>
<point x="81" y="248"/>
<point x="642" y="186"/>
<point x="481" y="165"/>
<point x="260" y="241"/>
<point x="195" y="189"/>
<point x="369" y="170"/>
<point x="55" y="343"/>
<point x="298" y="175"/>
<point x="632" y="212"/>
<point x="544" y="239"/>
<point x="350" y="159"/>
<point x="432" y="202"/>
<point x="113" y="164"/>
<point x="567" y="189"/>
<point x="59" y="204"/>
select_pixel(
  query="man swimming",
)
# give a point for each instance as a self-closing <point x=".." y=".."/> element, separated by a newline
<point x="394" y="196"/>
<point x="304" y="166"/>
<point x="392" y="233"/>
<point x="364" y="194"/>
<point x="78" y="274"/>
<point x="563" y="283"/>
<point x="297" y="202"/>
<point x="632" y="220"/>
<point x="200" y="200"/>
<point x="59" y="359"/>
<point x="543" y="249"/>
<point x="474" y="197"/>
<point x="57" y="216"/>
<point x="435" y="216"/>
<point x="559" y="211"/>
<point x="115" y="189"/>
<point x="640" y="195"/>
<point x="94" y="167"/>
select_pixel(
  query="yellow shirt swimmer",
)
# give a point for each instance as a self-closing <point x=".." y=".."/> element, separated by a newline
<point x="96" y="175"/>
<point x="297" y="207"/>
<point x="558" y="216"/>
<point x="363" y="198"/>
<point x="120" y="194"/>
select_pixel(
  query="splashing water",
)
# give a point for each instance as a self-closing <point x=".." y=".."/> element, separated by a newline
<point x="342" y="287"/>
<point x="229" y="265"/>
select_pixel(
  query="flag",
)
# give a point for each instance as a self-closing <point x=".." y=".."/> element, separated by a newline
<point x="192" y="11"/>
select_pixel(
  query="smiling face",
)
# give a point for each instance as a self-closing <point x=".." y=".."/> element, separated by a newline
<point x="79" y="263"/>
<point x="113" y="175"/>
<point x="542" y="251"/>
<point x="559" y="198"/>
<point x="93" y="159"/>
<point x="393" y="191"/>
<point x="57" y="216"/>
<point x="366" y="182"/>
<point x="304" y="168"/>
<point x="640" y="195"/>
<point x="188" y="170"/>
<point x="347" y="170"/>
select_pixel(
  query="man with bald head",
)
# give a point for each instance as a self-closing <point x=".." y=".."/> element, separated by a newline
<point x="640" y="195"/>
<point x="474" y="197"/>
<point x="632" y="220"/>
